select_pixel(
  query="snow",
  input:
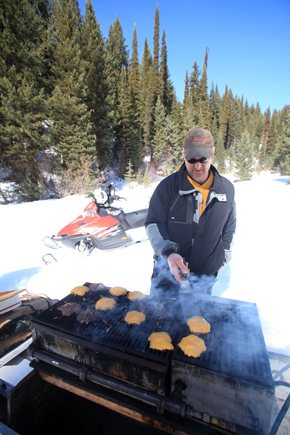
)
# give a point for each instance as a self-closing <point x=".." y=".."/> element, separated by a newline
<point x="258" y="272"/>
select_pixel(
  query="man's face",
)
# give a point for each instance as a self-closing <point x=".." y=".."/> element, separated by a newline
<point x="199" y="171"/>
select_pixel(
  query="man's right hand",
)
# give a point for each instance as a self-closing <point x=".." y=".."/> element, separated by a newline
<point x="177" y="266"/>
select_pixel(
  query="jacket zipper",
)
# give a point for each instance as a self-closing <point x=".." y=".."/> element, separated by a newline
<point x="222" y="197"/>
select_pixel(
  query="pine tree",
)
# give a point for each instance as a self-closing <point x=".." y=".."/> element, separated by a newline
<point x="242" y="114"/>
<point x="214" y="111"/>
<point x="93" y="55"/>
<point x="166" y="85"/>
<point x="212" y="120"/>
<point x="129" y="174"/>
<point x="226" y="118"/>
<point x="155" y="90"/>
<point x="186" y="87"/>
<point x="134" y="82"/>
<point x="259" y="123"/>
<point x="204" y="99"/>
<point x="146" y="180"/>
<point x="256" y="128"/>
<point x="173" y="153"/>
<point x="145" y="67"/>
<point x="282" y="151"/>
<point x="145" y="113"/>
<point x="244" y="157"/>
<point x="220" y="154"/>
<point x="134" y="74"/>
<point x="188" y="118"/>
<point x="166" y="141"/>
<point x="22" y="100"/>
<point x="176" y="117"/>
<point x="246" y="113"/>
<point x="267" y="119"/>
<point x="273" y="133"/>
<point x="72" y="130"/>
<point x="282" y="115"/>
<point x="23" y="136"/>
<point x="154" y="87"/>
<point x="236" y="120"/>
<point x="158" y="140"/>
<point x="194" y="84"/>
<point x="128" y="139"/>
<point x="24" y="39"/>
<point x="116" y="59"/>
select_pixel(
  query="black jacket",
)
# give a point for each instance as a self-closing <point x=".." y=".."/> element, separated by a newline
<point x="173" y="223"/>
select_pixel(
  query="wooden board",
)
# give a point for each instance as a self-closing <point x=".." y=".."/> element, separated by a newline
<point x="57" y="402"/>
<point x="137" y="416"/>
<point x="15" y="340"/>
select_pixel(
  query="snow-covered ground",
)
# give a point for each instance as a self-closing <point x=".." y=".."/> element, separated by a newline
<point x="258" y="272"/>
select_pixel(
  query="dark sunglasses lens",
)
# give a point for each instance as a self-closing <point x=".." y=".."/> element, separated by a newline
<point x="202" y="160"/>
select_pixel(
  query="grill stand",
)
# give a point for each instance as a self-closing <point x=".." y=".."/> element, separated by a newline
<point x="169" y="414"/>
<point x="109" y="361"/>
<point x="138" y="412"/>
<point x="222" y="396"/>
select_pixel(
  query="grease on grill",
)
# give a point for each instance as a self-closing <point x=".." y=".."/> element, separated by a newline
<point x="160" y="341"/>
<point x="69" y="308"/>
<point x="192" y="345"/>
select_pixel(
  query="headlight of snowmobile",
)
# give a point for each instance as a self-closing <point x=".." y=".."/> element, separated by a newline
<point x="101" y="196"/>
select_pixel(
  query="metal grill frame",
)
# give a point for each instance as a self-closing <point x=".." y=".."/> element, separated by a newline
<point x="125" y="355"/>
<point x="212" y="385"/>
<point x="233" y="389"/>
<point x="235" y="345"/>
<point x="129" y="339"/>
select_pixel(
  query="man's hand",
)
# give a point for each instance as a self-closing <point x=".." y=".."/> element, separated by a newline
<point x="177" y="265"/>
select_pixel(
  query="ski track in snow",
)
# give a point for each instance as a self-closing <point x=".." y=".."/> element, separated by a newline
<point x="258" y="272"/>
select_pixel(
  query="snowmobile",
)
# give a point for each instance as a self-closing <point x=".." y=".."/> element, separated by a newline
<point x="100" y="226"/>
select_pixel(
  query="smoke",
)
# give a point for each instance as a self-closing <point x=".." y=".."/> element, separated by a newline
<point x="164" y="284"/>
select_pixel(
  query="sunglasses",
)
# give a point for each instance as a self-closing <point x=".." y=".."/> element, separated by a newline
<point x="194" y="161"/>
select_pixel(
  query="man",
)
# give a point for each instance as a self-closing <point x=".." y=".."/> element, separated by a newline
<point x="191" y="220"/>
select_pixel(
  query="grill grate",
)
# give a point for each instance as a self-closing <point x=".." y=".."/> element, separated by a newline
<point x="109" y="329"/>
<point x="235" y="344"/>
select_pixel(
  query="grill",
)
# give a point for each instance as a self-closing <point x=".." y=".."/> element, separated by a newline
<point x="229" y="385"/>
<point x="235" y="345"/>
<point x="109" y="328"/>
<point x="232" y="379"/>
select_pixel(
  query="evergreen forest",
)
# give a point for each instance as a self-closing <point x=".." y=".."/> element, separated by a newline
<point x="73" y="104"/>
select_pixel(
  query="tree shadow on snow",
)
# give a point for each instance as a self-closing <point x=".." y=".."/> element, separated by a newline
<point x="223" y="281"/>
<point x="283" y="180"/>
<point x="17" y="279"/>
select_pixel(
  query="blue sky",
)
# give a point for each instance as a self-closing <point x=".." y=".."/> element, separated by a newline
<point x="248" y="40"/>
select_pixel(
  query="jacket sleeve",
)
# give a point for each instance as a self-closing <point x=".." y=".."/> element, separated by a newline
<point x="156" y="222"/>
<point x="228" y="233"/>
